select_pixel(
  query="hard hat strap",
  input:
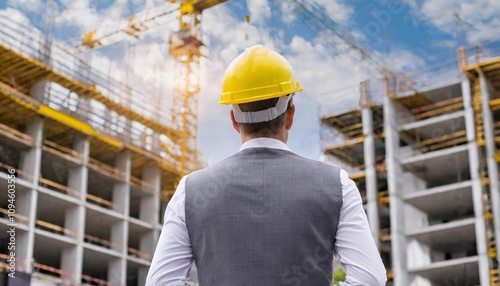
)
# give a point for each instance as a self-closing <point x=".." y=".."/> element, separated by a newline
<point x="262" y="115"/>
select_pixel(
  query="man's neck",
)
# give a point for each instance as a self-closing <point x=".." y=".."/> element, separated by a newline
<point x="281" y="137"/>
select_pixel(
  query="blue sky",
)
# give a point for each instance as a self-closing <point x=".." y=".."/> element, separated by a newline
<point x="409" y="35"/>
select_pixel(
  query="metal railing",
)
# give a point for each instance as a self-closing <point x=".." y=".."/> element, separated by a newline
<point x="68" y="60"/>
<point x="432" y="76"/>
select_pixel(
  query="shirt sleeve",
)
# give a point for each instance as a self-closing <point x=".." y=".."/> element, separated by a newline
<point x="173" y="256"/>
<point x="354" y="244"/>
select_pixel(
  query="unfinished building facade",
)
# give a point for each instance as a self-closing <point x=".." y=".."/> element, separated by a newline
<point x="91" y="158"/>
<point x="425" y="158"/>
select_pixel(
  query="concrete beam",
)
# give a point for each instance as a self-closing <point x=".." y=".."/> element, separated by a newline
<point x="460" y="269"/>
<point x="432" y="120"/>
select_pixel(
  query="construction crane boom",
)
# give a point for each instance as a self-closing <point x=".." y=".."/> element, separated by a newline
<point x="132" y="26"/>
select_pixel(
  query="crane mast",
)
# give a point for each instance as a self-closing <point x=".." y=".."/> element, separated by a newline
<point x="184" y="47"/>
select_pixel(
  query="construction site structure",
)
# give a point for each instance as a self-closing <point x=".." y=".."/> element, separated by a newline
<point x="425" y="156"/>
<point x="90" y="165"/>
<point x="185" y="48"/>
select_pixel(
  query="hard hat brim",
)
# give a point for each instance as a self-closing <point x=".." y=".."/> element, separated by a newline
<point x="260" y="93"/>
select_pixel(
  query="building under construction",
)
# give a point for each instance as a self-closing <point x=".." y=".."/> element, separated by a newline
<point x="92" y="158"/>
<point x="424" y="152"/>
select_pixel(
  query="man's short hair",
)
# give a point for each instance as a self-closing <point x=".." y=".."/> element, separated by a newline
<point x="267" y="128"/>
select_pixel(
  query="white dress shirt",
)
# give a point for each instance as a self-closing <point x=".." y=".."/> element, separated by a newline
<point x="354" y="244"/>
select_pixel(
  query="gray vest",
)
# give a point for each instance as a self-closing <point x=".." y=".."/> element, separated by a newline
<point x="264" y="217"/>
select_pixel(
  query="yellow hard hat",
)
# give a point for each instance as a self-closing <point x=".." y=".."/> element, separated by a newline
<point x="257" y="74"/>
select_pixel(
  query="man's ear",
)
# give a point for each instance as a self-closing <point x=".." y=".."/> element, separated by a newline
<point x="235" y="124"/>
<point x="289" y="117"/>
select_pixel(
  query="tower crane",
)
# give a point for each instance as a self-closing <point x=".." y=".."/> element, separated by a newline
<point x="184" y="47"/>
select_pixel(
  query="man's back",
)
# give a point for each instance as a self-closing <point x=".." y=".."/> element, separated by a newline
<point x="264" y="217"/>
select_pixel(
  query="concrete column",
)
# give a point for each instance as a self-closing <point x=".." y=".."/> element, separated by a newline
<point x="38" y="90"/>
<point x="118" y="237"/>
<point x="116" y="274"/>
<point x="69" y="257"/>
<point x="75" y="217"/>
<point x="23" y="206"/>
<point x="147" y="242"/>
<point x="371" y="173"/>
<point x="150" y="209"/>
<point x="121" y="190"/>
<point x="490" y="158"/>
<point x="477" y="188"/>
<point x="394" y="174"/>
<point x="30" y="164"/>
<point x="150" y="204"/>
<point x="68" y="261"/>
<point x="143" y="274"/>
<point x="117" y="270"/>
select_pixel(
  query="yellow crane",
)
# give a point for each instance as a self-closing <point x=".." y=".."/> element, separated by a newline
<point x="184" y="47"/>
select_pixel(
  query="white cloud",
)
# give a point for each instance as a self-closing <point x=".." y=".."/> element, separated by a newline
<point x="479" y="18"/>
<point x="78" y="14"/>
<point x="152" y="3"/>
<point x="82" y="14"/>
<point x="260" y="10"/>
<point x="412" y="3"/>
<point x="15" y="15"/>
<point x="404" y="60"/>
<point x="117" y="10"/>
<point x="26" y="5"/>
<point x="338" y="10"/>
<point x="322" y="74"/>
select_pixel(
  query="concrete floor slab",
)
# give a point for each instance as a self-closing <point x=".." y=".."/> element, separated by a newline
<point x="444" y="202"/>
<point x="465" y="271"/>
<point x="455" y="232"/>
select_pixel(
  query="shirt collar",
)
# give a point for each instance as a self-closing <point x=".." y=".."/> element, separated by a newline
<point x="264" y="143"/>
